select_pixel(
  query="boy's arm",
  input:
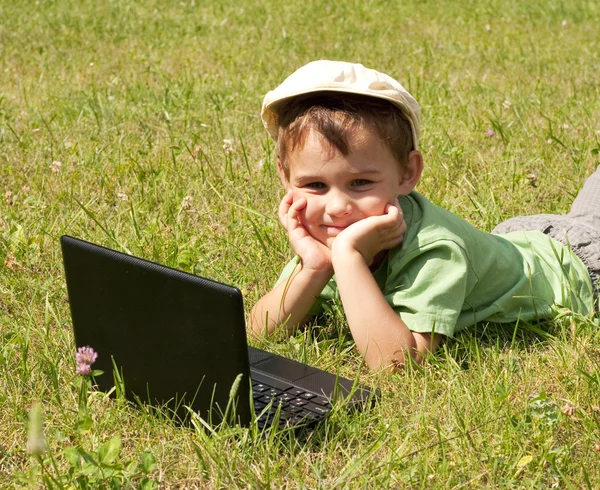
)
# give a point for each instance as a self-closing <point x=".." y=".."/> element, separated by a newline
<point x="383" y="339"/>
<point x="289" y="302"/>
<point x="380" y="335"/>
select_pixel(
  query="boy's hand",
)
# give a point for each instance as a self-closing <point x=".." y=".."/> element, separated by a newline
<point x="314" y="254"/>
<point x="372" y="235"/>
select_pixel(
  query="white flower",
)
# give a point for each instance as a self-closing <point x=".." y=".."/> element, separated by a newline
<point x="228" y="146"/>
<point x="55" y="166"/>
<point x="532" y="178"/>
<point x="569" y="409"/>
<point x="187" y="202"/>
<point x="122" y="196"/>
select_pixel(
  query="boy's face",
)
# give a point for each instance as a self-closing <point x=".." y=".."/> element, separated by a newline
<point x="341" y="190"/>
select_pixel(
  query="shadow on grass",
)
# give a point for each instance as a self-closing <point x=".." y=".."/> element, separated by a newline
<point x="469" y="343"/>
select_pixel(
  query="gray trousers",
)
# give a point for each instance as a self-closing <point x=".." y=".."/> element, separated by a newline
<point x="580" y="228"/>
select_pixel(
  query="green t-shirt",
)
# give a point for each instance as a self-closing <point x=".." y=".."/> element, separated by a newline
<point x="448" y="275"/>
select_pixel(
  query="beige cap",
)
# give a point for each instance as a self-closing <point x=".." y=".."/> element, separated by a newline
<point x="340" y="76"/>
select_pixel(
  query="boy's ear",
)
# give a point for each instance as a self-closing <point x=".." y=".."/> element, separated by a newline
<point x="412" y="172"/>
<point x="284" y="180"/>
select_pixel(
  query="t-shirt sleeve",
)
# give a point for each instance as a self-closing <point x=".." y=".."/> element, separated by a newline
<point x="427" y="287"/>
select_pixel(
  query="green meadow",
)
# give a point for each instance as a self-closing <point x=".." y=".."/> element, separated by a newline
<point x="135" y="124"/>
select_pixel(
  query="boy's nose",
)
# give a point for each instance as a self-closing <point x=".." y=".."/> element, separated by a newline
<point x="338" y="204"/>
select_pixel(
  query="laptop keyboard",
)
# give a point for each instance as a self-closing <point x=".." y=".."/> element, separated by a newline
<point x="295" y="405"/>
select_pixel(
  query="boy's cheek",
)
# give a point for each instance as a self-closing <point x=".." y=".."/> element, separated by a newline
<point x="374" y="205"/>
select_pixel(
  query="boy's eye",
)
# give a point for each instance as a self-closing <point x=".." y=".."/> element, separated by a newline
<point x="361" y="182"/>
<point x="315" y="185"/>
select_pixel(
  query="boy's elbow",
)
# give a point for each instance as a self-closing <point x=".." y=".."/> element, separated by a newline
<point x="423" y="345"/>
<point x="398" y="362"/>
<point x="394" y="363"/>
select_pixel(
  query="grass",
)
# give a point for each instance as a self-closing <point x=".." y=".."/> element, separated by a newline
<point x="135" y="101"/>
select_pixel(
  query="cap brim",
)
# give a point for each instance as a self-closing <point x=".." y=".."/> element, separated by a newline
<point x="270" y="109"/>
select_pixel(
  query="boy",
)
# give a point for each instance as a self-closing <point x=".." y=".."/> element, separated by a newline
<point x="407" y="272"/>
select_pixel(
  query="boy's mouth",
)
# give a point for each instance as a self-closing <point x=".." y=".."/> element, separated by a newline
<point x="333" y="229"/>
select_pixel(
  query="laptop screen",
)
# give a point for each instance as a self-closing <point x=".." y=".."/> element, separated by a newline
<point x="177" y="339"/>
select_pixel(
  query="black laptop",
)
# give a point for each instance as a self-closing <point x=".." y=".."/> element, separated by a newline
<point x="179" y="340"/>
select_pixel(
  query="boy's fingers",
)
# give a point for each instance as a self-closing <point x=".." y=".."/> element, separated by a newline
<point x="284" y="207"/>
<point x="402" y="227"/>
<point x="393" y="211"/>
<point x="283" y="216"/>
<point x="299" y="203"/>
<point x="393" y="240"/>
<point x="396" y="220"/>
<point x="293" y="214"/>
<point x="286" y="200"/>
<point x="392" y="217"/>
<point x="296" y="207"/>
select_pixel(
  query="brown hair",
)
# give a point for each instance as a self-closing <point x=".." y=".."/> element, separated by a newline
<point x="338" y="117"/>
